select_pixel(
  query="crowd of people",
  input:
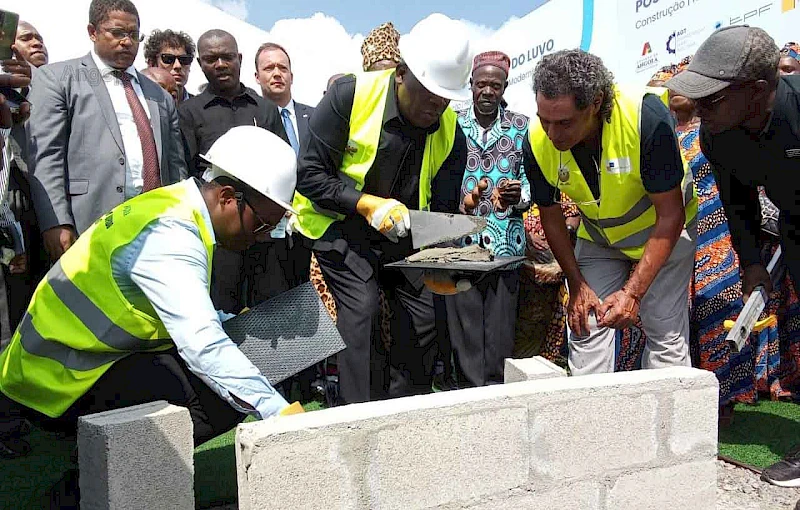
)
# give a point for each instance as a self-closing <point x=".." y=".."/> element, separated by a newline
<point x="137" y="217"/>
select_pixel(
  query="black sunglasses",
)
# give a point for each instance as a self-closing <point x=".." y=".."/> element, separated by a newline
<point x="169" y="59"/>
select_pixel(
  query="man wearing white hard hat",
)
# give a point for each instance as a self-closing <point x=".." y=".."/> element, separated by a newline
<point x="124" y="317"/>
<point x="382" y="143"/>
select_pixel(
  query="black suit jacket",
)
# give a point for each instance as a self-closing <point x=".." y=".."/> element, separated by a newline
<point x="303" y="113"/>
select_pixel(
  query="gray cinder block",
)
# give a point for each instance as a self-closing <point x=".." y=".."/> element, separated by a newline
<point x="531" y="369"/>
<point x="138" y="457"/>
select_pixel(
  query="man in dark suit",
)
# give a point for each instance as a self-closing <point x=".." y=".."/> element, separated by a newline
<point x="274" y="74"/>
<point x="225" y="103"/>
<point x="100" y="132"/>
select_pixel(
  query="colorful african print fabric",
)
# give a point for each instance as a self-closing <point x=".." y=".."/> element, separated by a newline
<point x="715" y="292"/>
<point x="496" y="155"/>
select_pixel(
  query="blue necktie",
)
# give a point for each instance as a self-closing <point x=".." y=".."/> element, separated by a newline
<point x="287" y="125"/>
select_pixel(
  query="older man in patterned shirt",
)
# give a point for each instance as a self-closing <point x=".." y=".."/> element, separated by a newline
<point x="482" y="320"/>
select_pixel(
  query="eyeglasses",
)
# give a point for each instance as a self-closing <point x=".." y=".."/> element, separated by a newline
<point x="119" y="34"/>
<point x="264" y="226"/>
<point x="169" y="59"/>
<point x="707" y="103"/>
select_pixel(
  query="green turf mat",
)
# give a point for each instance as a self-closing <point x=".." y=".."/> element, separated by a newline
<point x="761" y="434"/>
<point x="24" y="482"/>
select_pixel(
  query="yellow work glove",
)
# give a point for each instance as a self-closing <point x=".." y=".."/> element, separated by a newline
<point x="444" y="283"/>
<point x="386" y="215"/>
<point x="293" y="408"/>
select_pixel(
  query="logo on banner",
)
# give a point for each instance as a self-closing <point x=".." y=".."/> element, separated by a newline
<point x="649" y="59"/>
<point x="788" y="5"/>
<point x="752" y="15"/>
<point x="672" y="44"/>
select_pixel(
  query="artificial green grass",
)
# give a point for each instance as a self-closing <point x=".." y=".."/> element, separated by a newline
<point x="761" y="434"/>
<point x="25" y="482"/>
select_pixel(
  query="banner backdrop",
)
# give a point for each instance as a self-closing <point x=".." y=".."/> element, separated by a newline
<point x="633" y="37"/>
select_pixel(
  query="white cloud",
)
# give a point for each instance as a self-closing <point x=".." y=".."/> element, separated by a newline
<point x="236" y="8"/>
<point x="319" y="45"/>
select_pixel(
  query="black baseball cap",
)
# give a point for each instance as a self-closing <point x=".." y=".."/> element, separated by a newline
<point x="732" y="54"/>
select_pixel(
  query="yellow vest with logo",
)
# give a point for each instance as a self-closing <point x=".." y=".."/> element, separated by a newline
<point x="366" y="123"/>
<point x="78" y="323"/>
<point x="625" y="216"/>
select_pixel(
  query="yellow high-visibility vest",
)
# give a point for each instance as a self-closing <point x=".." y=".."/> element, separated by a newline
<point x="625" y="216"/>
<point x="366" y="122"/>
<point x="78" y="323"/>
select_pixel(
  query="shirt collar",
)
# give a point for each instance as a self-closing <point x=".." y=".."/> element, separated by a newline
<point x="289" y="106"/>
<point x="105" y="69"/>
<point x="193" y="187"/>
<point x="473" y="119"/>
<point x="245" y="92"/>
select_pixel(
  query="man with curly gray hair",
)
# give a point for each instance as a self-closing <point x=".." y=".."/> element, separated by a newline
<point x="615" y="154"/>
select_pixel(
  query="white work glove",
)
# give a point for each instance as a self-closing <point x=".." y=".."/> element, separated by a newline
<point x="386" y="215"/>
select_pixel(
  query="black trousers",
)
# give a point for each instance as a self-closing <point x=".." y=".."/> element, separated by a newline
<point x="481" y="323"/>
<point x="137" y="379"/>
<point x="259" y="273"/>
<point x="366" y="370"/>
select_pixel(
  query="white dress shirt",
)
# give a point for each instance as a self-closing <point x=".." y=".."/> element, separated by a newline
<point x="292" y="117"/>
<point x="164" y="272"/>
<point x="127" y="126"/>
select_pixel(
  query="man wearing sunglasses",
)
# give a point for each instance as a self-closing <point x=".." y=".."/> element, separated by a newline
<point x="750" y="133"/>
<point x="174" y="52"/>
<point x="100" y="132"/>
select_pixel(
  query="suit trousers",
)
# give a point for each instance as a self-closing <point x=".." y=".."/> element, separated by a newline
<point x="481" y="323"/>
<point x="363" y="364"/>
<point x="137" y="379"/>
<point x="664" y="309"/>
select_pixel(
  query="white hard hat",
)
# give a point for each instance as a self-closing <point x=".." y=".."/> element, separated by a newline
<point x="437" y="50"/>
<point x="257" y="158"/>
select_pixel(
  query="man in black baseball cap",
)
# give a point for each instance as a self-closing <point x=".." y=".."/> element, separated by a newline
<point x="750" y="133"/>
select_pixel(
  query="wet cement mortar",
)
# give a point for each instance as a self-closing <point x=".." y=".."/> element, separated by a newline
<point x="742" y="489"/>
<point x="737" y="489"/>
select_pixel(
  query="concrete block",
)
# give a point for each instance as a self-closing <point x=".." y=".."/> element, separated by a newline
<point x="694" y="423"/>
<point x="591" y="436"/>
<point x="430" y="462"/>
<point x="294" y="473"/>
<point x="692" y="485"/>
<point x="531" y="369"/>
<point x="138" y="457"/>
<point x="578" y="496"/>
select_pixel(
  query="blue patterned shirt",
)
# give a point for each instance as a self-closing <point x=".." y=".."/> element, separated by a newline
<point x="496" y="154"/>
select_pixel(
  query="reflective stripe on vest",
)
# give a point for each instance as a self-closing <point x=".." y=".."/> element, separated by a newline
<point x="366" y="123"/>
<point x="625" y="216"/>
<point x="78" y="322"/>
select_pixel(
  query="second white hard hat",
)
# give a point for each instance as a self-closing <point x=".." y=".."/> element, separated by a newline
<point x="258" y="158"/>
<point x="438" y="52"/>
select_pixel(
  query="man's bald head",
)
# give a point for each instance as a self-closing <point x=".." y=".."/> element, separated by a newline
<point x="30" y="44"/>
<point x="220" y="60"/>
<point x="216" y="33"/>
<point x="163" y="78"/>
<point x="333" y="79"/>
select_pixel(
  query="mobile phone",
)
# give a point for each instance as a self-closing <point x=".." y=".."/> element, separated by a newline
<point x="13" y="98"/>
<point x="8" y="33"/>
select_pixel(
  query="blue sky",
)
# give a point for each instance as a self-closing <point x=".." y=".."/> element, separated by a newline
<point x="360" y="16"/>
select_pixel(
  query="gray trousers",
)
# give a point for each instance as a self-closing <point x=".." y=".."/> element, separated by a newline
<point x="664" y="309"/>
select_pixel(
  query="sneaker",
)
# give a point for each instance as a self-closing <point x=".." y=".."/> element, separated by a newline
<point x="785" y="473"/>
